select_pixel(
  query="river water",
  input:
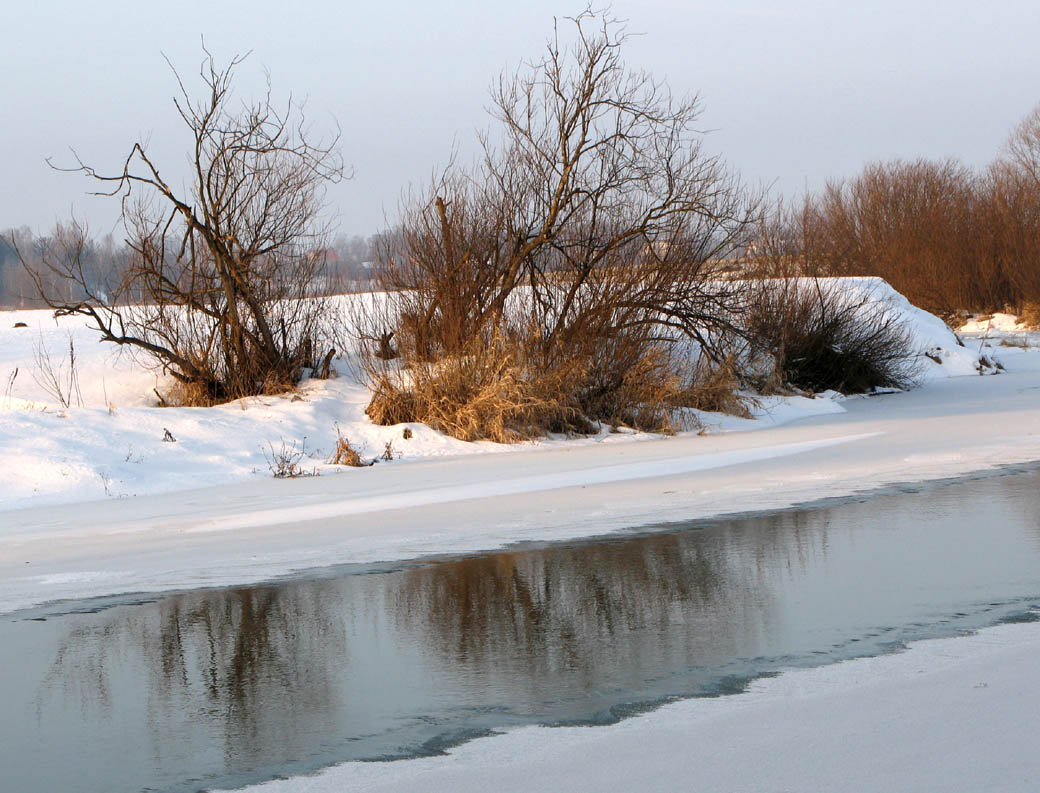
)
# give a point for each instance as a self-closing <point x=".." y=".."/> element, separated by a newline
<point x="224" y="687"/>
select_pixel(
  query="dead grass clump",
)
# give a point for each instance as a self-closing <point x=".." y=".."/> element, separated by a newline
<point x="279" y="383"/>
<point x="345" y="453"/>
<point x="189" y="395"/>
<point x="475" y="398"/>
<point x="716" y="389"/>
<point x="284" y="462"/>
<point x="196" y="394"/>
<point x="507" y="391"/>
<point x="630" y="383"/>
<point x="488" y="394"/>
<point x="647" y="385"/>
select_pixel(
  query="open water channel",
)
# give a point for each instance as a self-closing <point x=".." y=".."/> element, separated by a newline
<point x="224" y="687"/>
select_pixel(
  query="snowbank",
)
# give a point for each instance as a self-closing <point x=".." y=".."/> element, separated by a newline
<point x="941" y="353"/>
<point x="112" y="442"/>
<point x="999" y="323"/>
<point x="1002" y="337"/>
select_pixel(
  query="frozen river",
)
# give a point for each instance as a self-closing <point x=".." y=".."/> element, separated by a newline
<point x="223" y="687"/>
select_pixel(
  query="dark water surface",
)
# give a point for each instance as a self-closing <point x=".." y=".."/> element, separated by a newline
<point x="219" y="688"/>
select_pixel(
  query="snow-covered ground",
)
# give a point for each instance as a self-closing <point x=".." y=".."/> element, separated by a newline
<point x="112" y="445"/>
<point x="75" y="522"/>
<point x="109" y="441"/>
<point x="953" y="715"/>
<point x="73" y="480"/>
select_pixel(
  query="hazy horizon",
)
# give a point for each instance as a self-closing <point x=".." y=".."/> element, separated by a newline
<point x="792" y="95"/>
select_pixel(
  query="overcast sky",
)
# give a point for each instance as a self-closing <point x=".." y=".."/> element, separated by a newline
<point x="794" y="93"/>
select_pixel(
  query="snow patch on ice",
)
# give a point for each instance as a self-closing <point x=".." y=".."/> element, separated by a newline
<point x="958" y="715"/>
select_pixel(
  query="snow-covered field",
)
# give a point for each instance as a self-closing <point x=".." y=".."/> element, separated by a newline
<point x="74" y="480"/>
<point x="93" y="501"/>
<point x="110" y="440"/>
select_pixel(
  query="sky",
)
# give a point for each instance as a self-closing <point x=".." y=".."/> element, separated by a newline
<point x="792" y="93"/>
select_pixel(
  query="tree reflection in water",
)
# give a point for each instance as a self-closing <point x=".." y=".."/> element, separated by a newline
<point x="606" y="615"/>
<point x="248" y="662"/>
<point x="290" y="676"/>
<point x="248" y="665"/>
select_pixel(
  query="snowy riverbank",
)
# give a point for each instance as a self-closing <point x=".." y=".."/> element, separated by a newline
<point x="76" y="521"/>
<point x="111" y="441"/>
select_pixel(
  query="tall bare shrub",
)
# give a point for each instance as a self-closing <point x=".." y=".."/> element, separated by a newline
<point x="592" y="235"/>
<point x="216" y="289"/>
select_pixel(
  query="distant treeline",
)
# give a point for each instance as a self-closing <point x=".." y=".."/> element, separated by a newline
<point x="348" y="265"/>
<point x="948" y="237"/>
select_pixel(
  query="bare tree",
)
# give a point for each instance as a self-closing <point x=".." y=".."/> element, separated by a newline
<point x="217" y="289"/>
<point x="599" y="171"/>
<point x="594" y="223"/>
<point x="1013" y="212"/>
<point x="609" y="191"/>
<point x="1023" y="147"/>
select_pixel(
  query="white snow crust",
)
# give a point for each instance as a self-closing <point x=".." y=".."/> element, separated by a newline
<point x="94" y="502"/>
<point x="109" y="442"/>
<point x="954" y="715"/>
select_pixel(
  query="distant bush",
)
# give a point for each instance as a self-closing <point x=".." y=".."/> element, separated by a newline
<point x="825" y="335"/>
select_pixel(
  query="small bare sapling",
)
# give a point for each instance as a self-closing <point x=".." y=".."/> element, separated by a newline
<point x="284" y="462"/>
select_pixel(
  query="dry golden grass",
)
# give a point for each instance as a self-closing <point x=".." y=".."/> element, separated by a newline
<point x="486" y="395"/>
<point x="634" y="385"/>
<point x="345" y="453"/>
<point x="197" y="395"/>
<point x="495" y="393"/>
<point x="190" y="395"/>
